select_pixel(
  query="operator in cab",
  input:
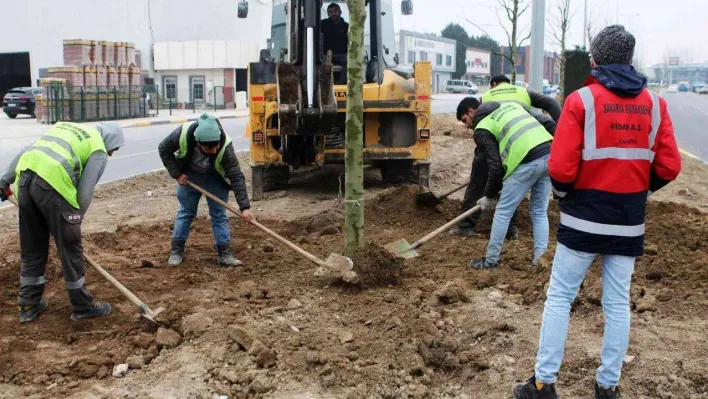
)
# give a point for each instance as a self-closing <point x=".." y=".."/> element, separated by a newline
<point x="335" y="32"/>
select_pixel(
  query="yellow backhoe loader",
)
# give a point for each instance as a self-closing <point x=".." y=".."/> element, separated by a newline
<point x="298" y="89"/>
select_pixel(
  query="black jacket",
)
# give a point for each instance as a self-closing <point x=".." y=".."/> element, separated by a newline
<point x="546" y="103"/>
<point x="485" y="140"/>
<point x="335" y="36"/>
<point x="175" y="167"/>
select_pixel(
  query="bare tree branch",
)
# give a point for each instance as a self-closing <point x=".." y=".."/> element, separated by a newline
<point x="521" y="43"/>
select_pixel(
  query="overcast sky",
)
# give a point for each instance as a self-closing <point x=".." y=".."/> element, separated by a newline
<point x="660" y="26"/>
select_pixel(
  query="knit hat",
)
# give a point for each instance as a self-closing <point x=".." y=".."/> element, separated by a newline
<point x="207" y="129"/>
<point x="613" y="45"/>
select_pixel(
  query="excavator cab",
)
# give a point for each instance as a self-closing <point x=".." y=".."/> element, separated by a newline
<point x="298" y="90"/>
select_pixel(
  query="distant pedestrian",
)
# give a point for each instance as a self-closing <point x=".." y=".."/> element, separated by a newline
<point x="614" y="146"/>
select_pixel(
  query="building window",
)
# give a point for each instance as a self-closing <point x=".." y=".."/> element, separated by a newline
<point x="196" y="84"/>
<point x="448" y="60"/>
<point x="423" y="56"/>
<point x="411" y="57"/>
<point x="438" y="59"/>
<point x="169" y="84"/>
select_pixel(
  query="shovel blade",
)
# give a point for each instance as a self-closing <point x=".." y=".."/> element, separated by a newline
<point x="427" y="199"/>
<point x="152" y="314"/>
<point x="402" y="249"/>
<point x="339" y="262"/>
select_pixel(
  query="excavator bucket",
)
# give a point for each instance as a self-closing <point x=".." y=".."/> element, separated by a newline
<point x="289" y="97"/>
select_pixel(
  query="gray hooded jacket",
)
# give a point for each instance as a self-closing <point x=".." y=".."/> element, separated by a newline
<point x="113" y="138"/>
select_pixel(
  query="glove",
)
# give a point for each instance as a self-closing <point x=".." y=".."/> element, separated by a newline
<point x="5" y="193"/>
<point x="487" y="203"/>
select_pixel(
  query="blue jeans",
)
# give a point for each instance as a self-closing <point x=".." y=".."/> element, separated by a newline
<point x="189" y="202"/>
<point x="569" y="268"/>
<point x="529" y="176"/>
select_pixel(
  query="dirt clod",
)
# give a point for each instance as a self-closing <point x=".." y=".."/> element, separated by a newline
<point x="194" y="325"/>
<point x="167" y="338"/>
<point x="375" y="266"/>
<point x="452" y="292"/>
<point x="266" y="358"/>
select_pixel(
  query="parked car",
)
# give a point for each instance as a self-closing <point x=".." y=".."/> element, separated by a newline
<point x="522" y="84"/>
<point x="672" y="89"/>
<point x="20" y="100"/>
<point x="550" y="90"/>
<point x="462" y="86"/>
<point x="702" y="90"/>
<point x="683" y="88"/>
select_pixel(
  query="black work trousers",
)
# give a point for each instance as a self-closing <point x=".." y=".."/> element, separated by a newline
<point x="475" y="190"/>
<point x="43" y="211"/>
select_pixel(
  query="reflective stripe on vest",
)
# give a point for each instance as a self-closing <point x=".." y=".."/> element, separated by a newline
<point x="600" y="228"/>
<point x="591" y="152"/>
<point x="184" y="144"/>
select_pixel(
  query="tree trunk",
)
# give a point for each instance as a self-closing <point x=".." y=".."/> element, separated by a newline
<point x="514" y="49"/>
<point x="353" y="158"/>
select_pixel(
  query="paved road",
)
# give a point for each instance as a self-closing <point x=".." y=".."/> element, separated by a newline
<point x="689" y="114"/>
<point x="139" y="155"/>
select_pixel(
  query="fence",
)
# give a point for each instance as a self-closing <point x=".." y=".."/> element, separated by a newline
<point x="95" y="103"/>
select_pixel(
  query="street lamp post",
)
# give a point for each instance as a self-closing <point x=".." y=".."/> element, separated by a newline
<point x="538" y="18"/>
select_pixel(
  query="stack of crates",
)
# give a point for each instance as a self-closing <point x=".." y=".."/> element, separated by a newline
<point x="99" y="80"/>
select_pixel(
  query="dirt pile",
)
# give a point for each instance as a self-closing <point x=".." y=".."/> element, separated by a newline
<point x="432" y="327"/>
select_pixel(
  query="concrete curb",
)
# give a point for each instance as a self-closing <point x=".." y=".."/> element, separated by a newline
<point x="178" y="120"/>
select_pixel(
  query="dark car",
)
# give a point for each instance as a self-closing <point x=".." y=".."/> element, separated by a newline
<point x="20" y="100"/>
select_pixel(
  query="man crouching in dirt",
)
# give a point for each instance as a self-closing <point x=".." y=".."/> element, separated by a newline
<point x="602" y="174"/>
<point x="54" y="182"/>
<point x="202" y="153"/>
<point x="515" y="146"/>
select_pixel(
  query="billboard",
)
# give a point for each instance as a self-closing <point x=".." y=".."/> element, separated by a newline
<point x="674" y="60"/>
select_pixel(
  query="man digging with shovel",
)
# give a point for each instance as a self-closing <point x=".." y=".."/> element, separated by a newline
<point x="201" y="152"/>
<point x="54" y="182"/>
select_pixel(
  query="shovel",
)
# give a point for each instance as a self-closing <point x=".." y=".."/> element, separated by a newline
<point x="144" y="309"/>
<point x="335" y="262"/>
<point x="402" y="249"/>
<point x="430" y="199"/>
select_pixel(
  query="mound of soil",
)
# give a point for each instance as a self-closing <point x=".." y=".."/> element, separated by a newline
<point x="427" y="327"/>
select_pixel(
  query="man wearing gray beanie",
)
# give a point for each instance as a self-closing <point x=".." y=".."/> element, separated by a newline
<point x="614" y="146"/>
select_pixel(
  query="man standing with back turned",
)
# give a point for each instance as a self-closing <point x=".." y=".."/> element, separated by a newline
<point x="614" y="146"/>
<point x="54" y="182"/>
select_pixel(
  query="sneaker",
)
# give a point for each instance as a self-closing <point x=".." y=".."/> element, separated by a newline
<point x="530" y="390"/>
<point x="606" y="393"/>
<point x="32" y="312"/>
<point x="482" y="264"/>
<point x="226" y="258"/>
<point x="462" y="232"/>
<point x="97" y="309"/>
<point x="176" y="253"/>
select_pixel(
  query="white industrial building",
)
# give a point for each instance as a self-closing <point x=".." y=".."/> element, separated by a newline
<point x="191" y="39"/>
<point x="439" y="51"/>
<point x="478" y="65"/>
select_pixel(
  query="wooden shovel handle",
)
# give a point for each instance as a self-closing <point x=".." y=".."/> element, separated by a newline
<point x="446" y="226"/>
<point x="454" y="190"/>
<point x="268" y="231"/>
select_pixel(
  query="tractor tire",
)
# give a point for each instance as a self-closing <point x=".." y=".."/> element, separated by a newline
<point x="264" y="179"/>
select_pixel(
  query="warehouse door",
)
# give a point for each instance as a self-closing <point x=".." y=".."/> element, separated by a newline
<point x="14" y="71"/>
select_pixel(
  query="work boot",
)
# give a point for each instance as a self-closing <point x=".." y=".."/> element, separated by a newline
<point x="533" y="390"/>
<point x="31" y="312"/>
<point x="225" y="257"/>
<point x="482" y="264"/>
<point x="177" y="253"/>
<point x="97" y="309"/>
<point x="462" y="231"/>
<point x="606" y="393"/>
<point x="512" y="234"/>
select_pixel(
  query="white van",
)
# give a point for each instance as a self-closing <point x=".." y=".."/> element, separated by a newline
<point x="462" y="86"/>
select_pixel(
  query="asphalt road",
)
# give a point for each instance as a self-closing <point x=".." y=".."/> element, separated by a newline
<point x="689" y="114"/>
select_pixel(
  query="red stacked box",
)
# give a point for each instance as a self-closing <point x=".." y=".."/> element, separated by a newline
<point x="124" y="76"/>
<point x="130" y="54"/>
<point x="76" y="52"/>
<point x="119" y="54"/>
<point x="112" y="73"/>
<point x="138" y="59"/>
<point x="74" y="76"/>
<point x="96" y="53"/>
<point x="136" y="78"/>
<point x="109" y="55"/>
<point x="101" y="77"/>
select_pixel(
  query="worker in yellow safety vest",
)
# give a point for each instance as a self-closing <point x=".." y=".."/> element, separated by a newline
<point x="54" y="180"/>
